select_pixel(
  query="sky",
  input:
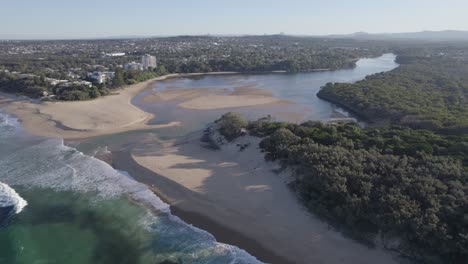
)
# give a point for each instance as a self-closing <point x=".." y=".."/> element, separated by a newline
<point x="64" y="19"/>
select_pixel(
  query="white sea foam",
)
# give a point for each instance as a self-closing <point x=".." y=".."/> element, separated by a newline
<point x="49" y="163"/>
<point x="8" y="123"/>
<point x="10" y="198"/>
<point x="66" y="169"/>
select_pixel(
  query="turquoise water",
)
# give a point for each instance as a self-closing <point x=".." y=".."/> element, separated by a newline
<point x="81" y="210"/>
<point x="58" y="205"/>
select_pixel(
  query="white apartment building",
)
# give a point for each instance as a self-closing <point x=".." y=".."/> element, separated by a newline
<point x="148" y="61"/>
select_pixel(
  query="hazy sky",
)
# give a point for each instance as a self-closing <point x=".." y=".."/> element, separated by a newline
<point x="103" y="18"/>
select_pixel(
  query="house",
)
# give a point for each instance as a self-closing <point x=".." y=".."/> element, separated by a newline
<point x="101" y="77"/>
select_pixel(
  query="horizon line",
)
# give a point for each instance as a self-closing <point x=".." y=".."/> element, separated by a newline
<point x="222" y="35"/>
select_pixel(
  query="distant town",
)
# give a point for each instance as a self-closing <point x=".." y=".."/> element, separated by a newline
<point x="86" y="69"/>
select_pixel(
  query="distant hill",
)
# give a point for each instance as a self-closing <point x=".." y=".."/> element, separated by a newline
<point x="446" y="35"/>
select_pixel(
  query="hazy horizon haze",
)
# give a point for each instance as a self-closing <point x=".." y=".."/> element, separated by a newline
<point x="54" y="19"/>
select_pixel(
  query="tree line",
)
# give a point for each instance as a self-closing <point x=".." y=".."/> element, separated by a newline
<point x="408" y="187"/>
<point x="424" y="92"/>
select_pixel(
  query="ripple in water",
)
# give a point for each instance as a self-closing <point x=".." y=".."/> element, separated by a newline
<point x="80" y="204"/>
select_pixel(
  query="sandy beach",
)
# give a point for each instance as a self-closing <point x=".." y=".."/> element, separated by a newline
<point x="210" y="102"/>
<point x="241" y="191"/>
<point x="233" y="194"/>
<point x="115" y="113"/>
<point x="82" y="119"/>
<point x="211" y="99"/>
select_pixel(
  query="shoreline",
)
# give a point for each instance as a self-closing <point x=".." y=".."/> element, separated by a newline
<point x="105" y="115"/>
<point x="46" y="118"/>
<point x="122" y="160"/>
<point x="226" y="222"/>
<point x="357" y="114"/>
<point x="239" y="198"/>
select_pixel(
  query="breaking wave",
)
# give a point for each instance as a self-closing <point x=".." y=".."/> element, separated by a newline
<point x="10" y="203"/>
<point x="49" y="164"/>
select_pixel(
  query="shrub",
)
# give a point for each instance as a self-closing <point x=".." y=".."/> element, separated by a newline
<point x="231" y="124"/>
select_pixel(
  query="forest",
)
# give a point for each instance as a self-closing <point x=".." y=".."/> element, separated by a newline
<point x="408" y="187"/>
<point x="63" y="59"/>
<point x="424" y="92"/>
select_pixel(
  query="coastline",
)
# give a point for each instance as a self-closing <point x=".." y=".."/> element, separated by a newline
<point x="191" y="205"/>
<point x="122" y="160"/>
<point x="85" y="119"/>
<point x="115" y="113"/>
<point x="236" y="196"/>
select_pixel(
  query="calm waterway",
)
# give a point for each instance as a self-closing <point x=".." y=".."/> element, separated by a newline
<point x="56" y="201"/>
<point x="300" y="89"/>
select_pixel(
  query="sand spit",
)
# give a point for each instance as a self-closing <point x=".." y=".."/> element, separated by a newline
<point x="241" y="191"/>
<point x="82" y="119"/>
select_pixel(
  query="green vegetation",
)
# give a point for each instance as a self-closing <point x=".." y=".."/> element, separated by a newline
<point x="402" y="184"/>
<point x="31" y="87"/>
<point x="72" y="60"/>
<point x="262" y="53"/>
<point x="37" y="86"/>
<point x="130" y="77"/>
<point x="79" y="92"/>
<point x="231" y="124"/>
<point x="424" y="92"/>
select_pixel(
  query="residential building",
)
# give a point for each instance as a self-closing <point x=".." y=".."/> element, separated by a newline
<point x="54" y="82"/>
<point x="133" y="66"/>
<point x="77" y="83"/>
<point x="101" y="77"/>
<point x="117" y="54"/>
<point x="148" y="61"/>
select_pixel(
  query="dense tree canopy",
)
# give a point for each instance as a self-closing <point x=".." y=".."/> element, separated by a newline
<point x="402" y="184"/>
<point x="231" y="124"/>
<point x="430" y="93"/>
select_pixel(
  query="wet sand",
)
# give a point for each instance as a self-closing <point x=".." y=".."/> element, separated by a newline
<point x="122" y="160"/>
<point x="234" y="195"/>
<point x="83" y="119"/>
<point x="210" y="102"/>
<point x="240" y="192"/>
<point x="211" y="98"/>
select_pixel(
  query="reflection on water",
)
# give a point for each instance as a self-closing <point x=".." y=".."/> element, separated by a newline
<point x="68" y="220"/>
<point x="301" y="89"/>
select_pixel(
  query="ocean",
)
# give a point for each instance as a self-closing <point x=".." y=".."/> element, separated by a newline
<point x="58" y="205"/>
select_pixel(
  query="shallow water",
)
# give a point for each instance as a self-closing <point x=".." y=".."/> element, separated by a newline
<point x="78" y="209"/>
<point x="81" y="210"/>
<point x="301" y="89"/>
